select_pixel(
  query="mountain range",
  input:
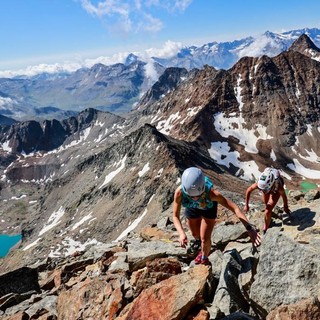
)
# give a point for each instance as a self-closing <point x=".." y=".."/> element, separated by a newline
<point x="117" y="88"/>
<point x="95" y="177"/>
<point x="232" y="123"/>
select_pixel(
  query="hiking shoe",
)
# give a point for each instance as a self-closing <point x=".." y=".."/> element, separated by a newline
<point x="205" y="261"/>
<point x="195" y="246"/>
<point x="198" y="259"/>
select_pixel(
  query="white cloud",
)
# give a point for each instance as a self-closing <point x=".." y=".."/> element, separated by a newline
<point x="150" y="24"/>
<point x="169" y="49"/>
<point x="5" y="101"/>
<point x="41" y="68"/>
<point x="107" y="7"/>
<point x="257" y="48"/>
<point x="133" y="15"/>
<point x="182" y="4"/>
<point x="151" y="71"/>
<point x="169" y="5"/>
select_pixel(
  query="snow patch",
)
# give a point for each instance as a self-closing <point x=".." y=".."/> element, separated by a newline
<point x="112" y="174"/>
<point x="303" y="171"/>
<point x="53" y="220"/>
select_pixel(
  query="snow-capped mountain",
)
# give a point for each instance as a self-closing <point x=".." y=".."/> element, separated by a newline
<point x="117" y="88"/>
<point x="114" y="88"/>
<point x="223" y="55"/>
<point x="262" y="111"/>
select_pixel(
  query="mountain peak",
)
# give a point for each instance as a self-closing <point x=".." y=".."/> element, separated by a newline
<point x="130" y="59"/>
<point x="302" y="44"/>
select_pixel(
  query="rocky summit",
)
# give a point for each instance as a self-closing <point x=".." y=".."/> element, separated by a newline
<point x="91" y="196"/>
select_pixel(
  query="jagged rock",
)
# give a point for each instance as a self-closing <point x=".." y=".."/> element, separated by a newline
<point x="43" y="309"/>
<point x="99" y="284"/>
<point x="139" y="253"/>
<point x="296" y="194"/>
<point x="171" y="298"/>
<point x="283" y="261"/>
<point x="305" y="46"/>
<point x="19" y="281"/>
<point x="216" y="259"/>
<point x="239" y="316"/>
<point x="149" y="233"/>
<point x="108" y="297"/>
<point x="226" y="232"/>
<point x="17" y="316"/>
<point x="167" y="82"/>
<point x="51" y="280"/>
<point x="228" y="297"/>
<point x="155" y="271"/>
<point x="312" y="195"/>
<point x="13" y="299"/>
<point x="250" y="257"/>
<point x="120" y="263"/>
<point x="202" y="315"/>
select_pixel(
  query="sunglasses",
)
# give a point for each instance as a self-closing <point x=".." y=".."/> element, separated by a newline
<point x="197" y="197"/>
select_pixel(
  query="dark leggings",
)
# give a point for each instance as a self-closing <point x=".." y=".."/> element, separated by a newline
<point x="208" y="213"/>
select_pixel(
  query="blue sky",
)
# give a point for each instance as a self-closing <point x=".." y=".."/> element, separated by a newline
<point x="35" y="32"/>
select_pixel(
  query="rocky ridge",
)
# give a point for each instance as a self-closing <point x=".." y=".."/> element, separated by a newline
<point x="148" y="276"/>
<point x="263" y="110"/>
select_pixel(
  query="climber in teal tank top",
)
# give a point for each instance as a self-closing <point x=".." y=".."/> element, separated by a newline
<point x="200" y="200"/>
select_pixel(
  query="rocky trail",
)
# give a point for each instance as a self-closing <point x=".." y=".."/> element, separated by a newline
<point x="148" y="276"/>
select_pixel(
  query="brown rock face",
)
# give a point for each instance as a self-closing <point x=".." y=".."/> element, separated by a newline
<point x="171" y="298"/>
<point x="107" y="296"/>
<point x="303" y="310"/>
<point x="305" y="46"/>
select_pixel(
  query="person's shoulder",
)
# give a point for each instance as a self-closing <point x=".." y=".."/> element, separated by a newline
<point x="214" y="192"/>
<point x="178" y="191"/>
<point x="253" y="186"/>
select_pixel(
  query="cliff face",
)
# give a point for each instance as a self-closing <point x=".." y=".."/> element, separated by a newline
<point x="33" y="136"/>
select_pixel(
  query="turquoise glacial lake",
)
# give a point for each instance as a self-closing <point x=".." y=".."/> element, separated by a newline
<point x="7" y="242"/>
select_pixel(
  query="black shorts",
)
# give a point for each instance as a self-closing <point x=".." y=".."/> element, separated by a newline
<point x="194" y="213"/>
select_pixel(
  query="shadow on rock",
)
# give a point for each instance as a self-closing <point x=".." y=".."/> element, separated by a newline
<point x="303" y="218"/>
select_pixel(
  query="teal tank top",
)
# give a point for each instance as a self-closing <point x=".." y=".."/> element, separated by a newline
<point x="188" y="202"/>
